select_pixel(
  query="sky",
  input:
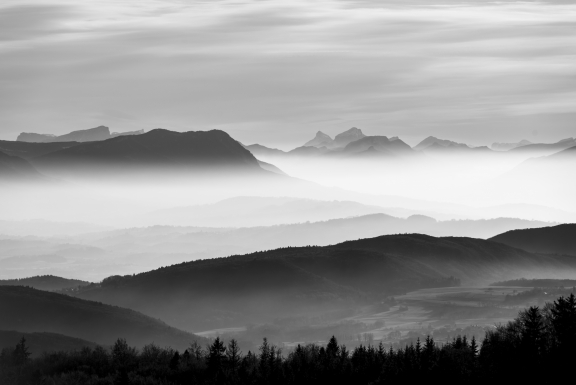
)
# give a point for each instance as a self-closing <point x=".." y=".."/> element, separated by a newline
<point x="275" y="72"/>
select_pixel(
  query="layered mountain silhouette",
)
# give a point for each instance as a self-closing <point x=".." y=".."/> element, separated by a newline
<point x="438" y="143"/>
<point x="340" y="141"/>
<point x="261" y="286"/>
<point x="541" y="149"/>
<point x="29" y="310"/>
<point x="44" y="282"/>
<point x="559" y="239"/>
<point x="508" y="146"/>
<point x="348" y="136"/>
<point x="89" y="135"/>
<point x="157" y="150"/>
<point x="379" y="144"/>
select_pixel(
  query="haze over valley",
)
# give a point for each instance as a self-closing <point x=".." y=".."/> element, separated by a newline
<point x="286" y="192"/>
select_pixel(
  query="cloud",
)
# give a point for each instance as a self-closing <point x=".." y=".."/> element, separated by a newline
<point x="277" y="71"/>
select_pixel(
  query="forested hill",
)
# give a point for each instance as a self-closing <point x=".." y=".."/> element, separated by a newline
<point x="43" y="342"/>
<point x="289" y="282"/>
<point x="44" y="282"/>
<point x="559" y="239"/>
<point x="29" y="310"/>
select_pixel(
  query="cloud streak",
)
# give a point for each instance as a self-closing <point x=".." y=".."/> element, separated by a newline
<point x="275" y="72"/>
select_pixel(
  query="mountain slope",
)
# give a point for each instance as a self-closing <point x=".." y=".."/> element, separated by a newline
<point x="431" y="140"/>
<point x="348" y="136"/>
<point x="285" y="282"/>
<point x="41" y="342"/>
<point x="157" y="150"/>
<point x="320" y="140"/>
<point x="559" y="239"/>
<point x="30" y="310"/>
<point x="508" y="146"/>
<point x="29" y="151"/>
<point x="13" y="168"/>
<point x="378" y="143"/>
<point x="542" y="149"/>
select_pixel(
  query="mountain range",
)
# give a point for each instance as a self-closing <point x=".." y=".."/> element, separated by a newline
<point x="293" y="281"/>
<point x="89" y="135"/>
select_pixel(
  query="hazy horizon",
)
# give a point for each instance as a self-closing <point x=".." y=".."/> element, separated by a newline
<point x="276" y="72"/>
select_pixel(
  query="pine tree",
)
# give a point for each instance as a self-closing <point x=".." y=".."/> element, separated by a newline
<point x="175" y="361"/>
<point x="474" y="347"/>
<point x="216" y="356"/>
<point x="21" y="355"/>
<point x="233" y="357"/>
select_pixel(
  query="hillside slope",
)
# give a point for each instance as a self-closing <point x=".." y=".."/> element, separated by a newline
<point x="262" y="286"/>
<point x="41" y="342"/>
<point x="559" y="239"/>
<point x="44" y="282"/>
<point x="30" y="310"/>
<point x="13" y="168"/>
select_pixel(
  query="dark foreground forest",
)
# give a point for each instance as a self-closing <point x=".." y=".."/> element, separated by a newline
<point x="539" y="346"/>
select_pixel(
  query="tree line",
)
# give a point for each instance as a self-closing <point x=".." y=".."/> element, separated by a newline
<point x="538" y="346"/>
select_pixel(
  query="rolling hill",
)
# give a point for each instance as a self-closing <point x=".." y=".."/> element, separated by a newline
<point x="44" y="282"/>
<point x="559" y="239"/>
<point x="42" y="342"/>
<point x="289" y="282"/>
<point x="30" y="310"/>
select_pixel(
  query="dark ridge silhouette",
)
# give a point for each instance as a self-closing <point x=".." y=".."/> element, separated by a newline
<point x="42" y="342"/>
<point x="89" y="135"/>
<point x="559" y="239"/>
<point x="262" y="286"/>
<point x="29" y="151"/>
<point x="44" y="282"/>
<point x="29" y="310"/>
<point x="159" y="150"/>
<point x="379" y="143"/>
<point x="13" y="168"/>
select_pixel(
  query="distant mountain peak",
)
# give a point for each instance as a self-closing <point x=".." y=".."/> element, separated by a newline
<point x="89" y="135"/>
<point x="508" y="146"/>
<point x="432" y="140"/>
<point x="351" y="135"/>
<point x="320" y="140"/>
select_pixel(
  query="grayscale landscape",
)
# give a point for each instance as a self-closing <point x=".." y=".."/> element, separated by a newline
<point x="287" y="192"/>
